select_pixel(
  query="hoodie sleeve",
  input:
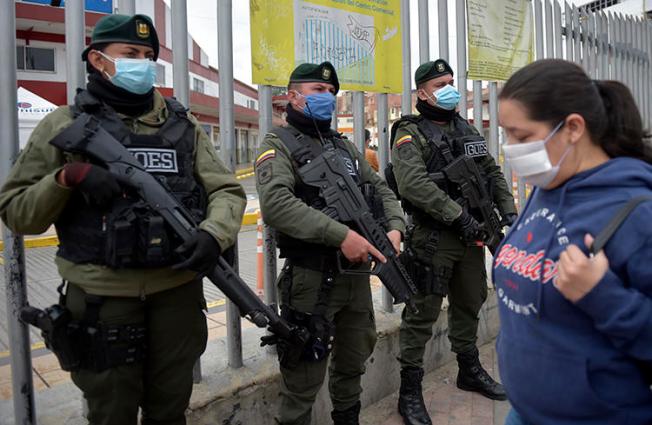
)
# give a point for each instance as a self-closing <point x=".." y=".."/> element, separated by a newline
<point x="624" y="313"/>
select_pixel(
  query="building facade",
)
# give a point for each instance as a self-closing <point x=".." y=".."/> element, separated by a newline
<point x="42" y="68"/>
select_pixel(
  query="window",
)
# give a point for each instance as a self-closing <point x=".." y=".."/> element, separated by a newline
<point x="160" y="75"/>
<point x="251" y="104"/>
<point x="35" y="58"/>
<point x="198" y="85"/>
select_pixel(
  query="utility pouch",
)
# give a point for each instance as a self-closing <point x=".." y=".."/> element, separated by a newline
<point x="137" y="237"/>
<point x="427" y="278"/>
<point x="121" y="241"/>
<point x="154" y="241"/>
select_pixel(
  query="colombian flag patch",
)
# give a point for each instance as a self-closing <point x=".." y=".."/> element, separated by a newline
<point x="270" y="153"/>
<point x="403" y="140"/>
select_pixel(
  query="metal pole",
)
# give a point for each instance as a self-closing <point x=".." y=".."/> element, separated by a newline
<point x="358" y="120"/>
<point x="591" y="45"/>
<point x="604" y="42"/>
<point x="646" y="74"/>
<point x="180" y="80"/>
<point x="568" y="22"/>
<point x="639" y="62"/>
<point x="577" y="48"/>
<point x="227" y="138"/>
<point x="507" y="170"/>
<point x="14" y="255"/>
<point x="334" y="120"/>
<point x="477" y="105"/>
<point x="559" y="53"/>
<point x="424" y="37"/>
<point x="127" y="7"/>
<point x="622" y="48"/>
<point x="442" y="24"/>
<point x="461" y="55"/>
<point x="550" y="50"/>
<point x="538" y="30"/>
<point x="493" y="119"/>
<point x="383" y="160"/>
<point x="269" y="251"/>
<point x="406" y="96"/>
<point x="75" y="43"/>
<point x="585" y="42"/>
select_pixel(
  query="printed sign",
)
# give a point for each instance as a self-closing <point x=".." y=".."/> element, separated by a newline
<point x="361" y="38"/>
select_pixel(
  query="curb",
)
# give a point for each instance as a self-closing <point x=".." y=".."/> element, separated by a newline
<point x="244" y="173"/>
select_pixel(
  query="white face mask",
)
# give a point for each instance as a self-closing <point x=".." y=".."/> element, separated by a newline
<point x="531" y="161"/>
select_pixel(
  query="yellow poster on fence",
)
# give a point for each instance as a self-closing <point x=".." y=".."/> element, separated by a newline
<point x="361" y="38"/>
<point x="500" y="37"/>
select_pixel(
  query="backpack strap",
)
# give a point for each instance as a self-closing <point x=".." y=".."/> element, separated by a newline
<point x="603" y="237"/>
<point x="292" y="139"/>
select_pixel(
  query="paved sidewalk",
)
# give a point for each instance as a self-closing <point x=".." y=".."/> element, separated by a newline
<point x="446" y="404"/>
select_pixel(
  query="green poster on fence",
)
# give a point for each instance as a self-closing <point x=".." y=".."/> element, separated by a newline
<point x="500" y="38"/>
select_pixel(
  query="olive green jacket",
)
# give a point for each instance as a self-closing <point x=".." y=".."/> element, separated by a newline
<point x="276" y="178"/>
<point x="410" y="152"/>
<point x="31" y="201"/>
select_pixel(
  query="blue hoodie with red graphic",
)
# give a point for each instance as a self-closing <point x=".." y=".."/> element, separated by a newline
<point x="563" y="363"/>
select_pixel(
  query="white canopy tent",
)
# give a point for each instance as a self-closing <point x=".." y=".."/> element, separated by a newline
<point x="31" y="109"/>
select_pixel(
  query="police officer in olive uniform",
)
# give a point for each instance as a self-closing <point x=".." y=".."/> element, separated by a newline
<point x="337" y="308"/>
<point x="444" y="240"/>
<point x="128" y="279"/>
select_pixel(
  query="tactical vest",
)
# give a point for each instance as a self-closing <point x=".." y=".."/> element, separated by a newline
<point x="301" y="153"/>
<point x="130" y="233"/>
<point x="444" y="148"/>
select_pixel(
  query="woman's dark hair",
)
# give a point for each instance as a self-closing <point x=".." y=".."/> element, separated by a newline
<point x="552" y="89"/>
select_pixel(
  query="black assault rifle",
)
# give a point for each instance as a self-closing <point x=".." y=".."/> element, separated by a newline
<point x="345" y="201"/>
<point x="463" y="172"/>
<point x="86" y="136"/>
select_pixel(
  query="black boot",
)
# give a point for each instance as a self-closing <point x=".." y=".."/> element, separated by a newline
<point x="349" y="416"/>
<point x="410" y="398"/>
<point x="473" y="377"/>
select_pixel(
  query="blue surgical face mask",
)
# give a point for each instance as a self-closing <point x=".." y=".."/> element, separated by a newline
<point x="319" y="106"/>
<point x="134" y="75"/>
<point x="447" y="97"/>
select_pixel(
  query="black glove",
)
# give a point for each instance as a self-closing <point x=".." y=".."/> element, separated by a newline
<point x="508" y="219"/>
<point x="97" y="184"/>
<point x="201" y="252"/>
<point x="468" y="226"/>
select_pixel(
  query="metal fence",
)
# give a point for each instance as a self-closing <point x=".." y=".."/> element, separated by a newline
<point x="606" y="45"/>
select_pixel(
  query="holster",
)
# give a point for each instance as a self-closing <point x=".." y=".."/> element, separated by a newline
<point x="429" y="279"/>
<point x="322" y="331"/>
<point x="88" y="343"/>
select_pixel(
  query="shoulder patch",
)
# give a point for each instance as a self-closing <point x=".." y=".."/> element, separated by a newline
<point x="264" y="173"/>
<point x="403" y="140"/>
<point x="268" y="154"/>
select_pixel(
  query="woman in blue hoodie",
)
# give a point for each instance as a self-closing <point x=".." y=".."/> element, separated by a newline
<point x="575" y="329"/>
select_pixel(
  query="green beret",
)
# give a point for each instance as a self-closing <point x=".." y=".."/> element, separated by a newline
<point x="313" y="73"/>
<point x="430" y="70"/>
<point x="136" y="29"/>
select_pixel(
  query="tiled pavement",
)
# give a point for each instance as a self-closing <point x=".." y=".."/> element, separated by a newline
<point x="446" y="404"/>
